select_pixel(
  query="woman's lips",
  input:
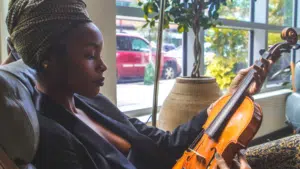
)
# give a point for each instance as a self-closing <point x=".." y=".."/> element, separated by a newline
<point x="99" y="82"/>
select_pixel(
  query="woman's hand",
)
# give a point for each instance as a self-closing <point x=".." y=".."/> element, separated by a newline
<point x="259" y="77"/>
<point x="242" y="164"/>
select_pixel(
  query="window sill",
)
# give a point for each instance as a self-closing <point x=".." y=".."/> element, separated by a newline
<point x="138" y="111"/>
<point x="144" y="113"/>
<point x="272" y="93"/>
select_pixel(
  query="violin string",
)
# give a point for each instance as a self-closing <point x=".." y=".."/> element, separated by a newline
<point x="199" y="136"/>
<point x="245" y="85"/>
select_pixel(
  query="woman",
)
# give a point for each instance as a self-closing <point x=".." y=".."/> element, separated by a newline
<point x="85" y="130"/>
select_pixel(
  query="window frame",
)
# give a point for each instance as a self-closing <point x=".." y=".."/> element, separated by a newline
<point x="257" y="26"/>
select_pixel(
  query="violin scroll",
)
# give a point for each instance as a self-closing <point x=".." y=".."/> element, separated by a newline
<point x="290" y="35"/>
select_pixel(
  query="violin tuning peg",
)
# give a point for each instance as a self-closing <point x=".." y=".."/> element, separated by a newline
<point x="262" y="51"/>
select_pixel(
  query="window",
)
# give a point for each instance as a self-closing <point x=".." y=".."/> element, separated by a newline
<point x="227" y="48"/>
<point x="298" y="15"/>
<point x="226" y="52"/>
<point x="281" y="12"/>
<point x="297" y="53"/>
<point x="128" y="3"/>
<point x="236" y="10"/>
<point x="136" y="56"/>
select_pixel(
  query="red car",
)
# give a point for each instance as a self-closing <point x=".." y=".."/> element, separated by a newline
<point x="134" y="53"/>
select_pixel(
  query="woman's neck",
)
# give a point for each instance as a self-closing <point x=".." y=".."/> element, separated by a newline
<point x="59" y="95"/>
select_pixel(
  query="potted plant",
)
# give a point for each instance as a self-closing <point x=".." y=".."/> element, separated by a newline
<point x="189" y="94"/>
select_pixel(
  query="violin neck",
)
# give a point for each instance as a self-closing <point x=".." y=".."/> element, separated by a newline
<point x="216" y="127"/>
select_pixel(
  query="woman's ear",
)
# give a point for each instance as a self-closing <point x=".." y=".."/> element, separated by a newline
<point x="50" y="62"/>
<point x="45" y="64"/>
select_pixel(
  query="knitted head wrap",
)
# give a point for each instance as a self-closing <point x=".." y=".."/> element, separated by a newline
<point x="36" y="25"/>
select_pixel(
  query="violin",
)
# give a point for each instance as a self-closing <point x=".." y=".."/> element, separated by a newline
<point x="234" y="119"/>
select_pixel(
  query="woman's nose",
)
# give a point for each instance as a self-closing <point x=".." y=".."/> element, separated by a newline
<point x="101" y="67"/>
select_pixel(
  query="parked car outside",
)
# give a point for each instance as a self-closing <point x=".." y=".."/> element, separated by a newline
<point x="176" y="54"/>
<point x="134" y="53"/>
<point x="166" y="47"/>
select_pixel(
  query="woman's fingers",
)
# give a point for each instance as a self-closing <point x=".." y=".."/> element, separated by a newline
<point x="259" y="77"/>
<point x="236" y="164"/>
<point x="244" y="72"/>
<point x="255" y="88"/>
<point x="267" y="64"/>
<point x="238" y="79"/>
<point x="221" y="162"/>
<point x="243" y="161"/>
<point x="242" y="164"/>
<point x="263" y="72"/>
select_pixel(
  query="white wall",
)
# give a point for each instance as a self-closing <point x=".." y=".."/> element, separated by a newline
<point x="103" y="13"/>
<point x="3" y="29"/>
<point x="273" y="107"/>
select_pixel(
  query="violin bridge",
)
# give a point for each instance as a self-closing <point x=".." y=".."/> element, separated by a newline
<point x="200" y="158"/>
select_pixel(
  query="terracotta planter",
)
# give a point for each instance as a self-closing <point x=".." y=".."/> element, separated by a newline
<point x="188" y="97"/>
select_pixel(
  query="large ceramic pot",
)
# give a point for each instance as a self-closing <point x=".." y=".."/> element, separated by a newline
<point x="187" y="98"/>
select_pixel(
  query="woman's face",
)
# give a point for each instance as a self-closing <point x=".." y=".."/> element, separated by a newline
<point x="82" y="69"/>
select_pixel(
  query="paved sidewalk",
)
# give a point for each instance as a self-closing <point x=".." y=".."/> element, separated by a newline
<point x="132" y="96"/>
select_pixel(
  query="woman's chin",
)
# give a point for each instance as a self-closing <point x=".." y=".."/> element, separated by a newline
<point x="95" y="93"/>
<point x="91" y="93"/>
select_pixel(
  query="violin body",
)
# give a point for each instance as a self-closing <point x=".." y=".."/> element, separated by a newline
<point x="239" y="131"/>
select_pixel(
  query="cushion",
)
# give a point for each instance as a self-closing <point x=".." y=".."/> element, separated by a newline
<point x="19" y="128"/>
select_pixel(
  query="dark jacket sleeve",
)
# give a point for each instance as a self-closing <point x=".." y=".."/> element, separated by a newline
<point x="58" y="148"/>
<point x="176" y="142"/>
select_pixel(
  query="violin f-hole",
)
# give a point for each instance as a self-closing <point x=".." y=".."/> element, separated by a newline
<point x="209" y="163"/>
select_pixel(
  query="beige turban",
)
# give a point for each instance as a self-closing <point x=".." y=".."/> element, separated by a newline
<point x="35" y="25"/>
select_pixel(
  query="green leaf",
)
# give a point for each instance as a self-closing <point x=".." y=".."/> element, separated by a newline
<point x="166" y="23"/>
<point x="215" y="15"/>
<point x="150" y="8"/>
<point x="166" y="26"/>
<point x="175" y="2"/>
<point x="180" y="28"/>
<point x="140" y="3"/>
<point x="145" y="8"/>
<point x="144" y="26"/>
<point x="146" y="17"/>
<point x="152" y="23"/>
<point x="168" y="9"/>
<point x="155" y="7"/>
